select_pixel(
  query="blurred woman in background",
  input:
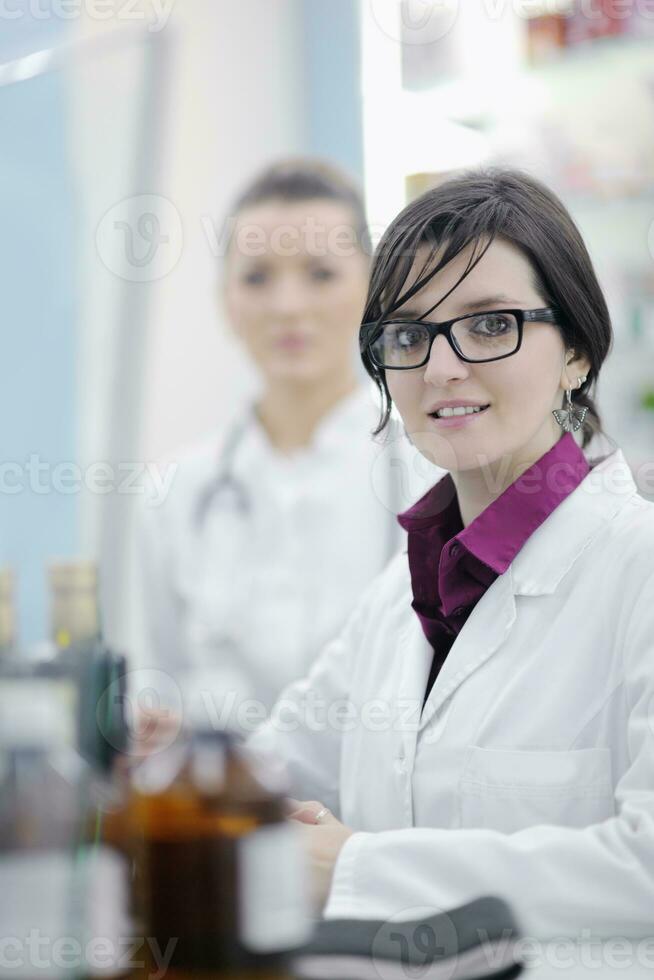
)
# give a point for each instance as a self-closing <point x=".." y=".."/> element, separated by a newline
<point x="266" y="541"/>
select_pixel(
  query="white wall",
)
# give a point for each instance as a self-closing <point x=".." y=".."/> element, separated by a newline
<point x="233" y="99"/>
<point x="237" y="104"/>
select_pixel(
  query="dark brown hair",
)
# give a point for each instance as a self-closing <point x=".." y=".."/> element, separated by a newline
<point x="474" y="208"/>
<point x="307" y="179"/>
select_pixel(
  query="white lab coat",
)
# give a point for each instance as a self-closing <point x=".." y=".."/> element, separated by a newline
<point x="530" y="774"/>
<point x="242" y="601"/>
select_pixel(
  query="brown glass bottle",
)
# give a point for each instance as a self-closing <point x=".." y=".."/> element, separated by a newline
<point x="222" y="868"/>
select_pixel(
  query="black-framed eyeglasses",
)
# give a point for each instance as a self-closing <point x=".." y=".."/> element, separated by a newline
<point x="401" y="345"/>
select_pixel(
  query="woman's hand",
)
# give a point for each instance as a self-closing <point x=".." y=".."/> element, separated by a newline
<point x="324" y="837"/>
<point x="153" y="730"/>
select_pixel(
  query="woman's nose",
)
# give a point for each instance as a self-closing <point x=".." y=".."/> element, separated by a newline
<point x="443" y="364"/>
<point x="287" y="299"/>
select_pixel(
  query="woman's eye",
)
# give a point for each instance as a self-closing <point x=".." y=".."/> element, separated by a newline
<point x="406" y="337"/>
<point x="491" y="325"/>
<point x="255" y="278"/>
<point x="322" y="274"/>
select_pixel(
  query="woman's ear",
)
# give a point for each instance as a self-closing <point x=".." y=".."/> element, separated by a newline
<point x="577" y="366"/>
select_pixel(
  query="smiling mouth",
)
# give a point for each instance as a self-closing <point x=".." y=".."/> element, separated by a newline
<point x="454" y="413"/>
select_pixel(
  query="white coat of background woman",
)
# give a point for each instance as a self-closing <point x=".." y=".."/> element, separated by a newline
<point x="269" y="535"/>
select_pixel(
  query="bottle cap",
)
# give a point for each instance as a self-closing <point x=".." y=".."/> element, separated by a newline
<point x="74" y="593"/>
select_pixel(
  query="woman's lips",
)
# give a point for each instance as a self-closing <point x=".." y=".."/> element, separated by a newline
<point x="458" y="421"/>
<point x="291" y="343"/>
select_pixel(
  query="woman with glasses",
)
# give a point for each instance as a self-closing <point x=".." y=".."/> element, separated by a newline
<point x="486" y="718"/>
<point x="269" y="535"/>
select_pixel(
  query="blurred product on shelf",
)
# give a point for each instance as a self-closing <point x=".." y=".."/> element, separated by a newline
<point x="221" y="868"/>
<point x="640" y="23"/>
<point x="647" y="400"/>
<point x="578" y="23"/>
<point x="546" y="37"/>
<point x="7" y="613"/>
<point x="589" y="21"/>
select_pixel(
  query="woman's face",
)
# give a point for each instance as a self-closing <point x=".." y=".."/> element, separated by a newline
<point x="295" y="286"/>
<point x="521" y="391"/>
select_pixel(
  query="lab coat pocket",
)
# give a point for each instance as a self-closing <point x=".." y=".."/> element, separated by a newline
<point x="509" y="790"/>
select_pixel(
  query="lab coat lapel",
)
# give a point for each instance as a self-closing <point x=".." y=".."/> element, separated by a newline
<point x="536" y="570"/>
<point x="485" y="630"/>
<point x="553" y="548"/>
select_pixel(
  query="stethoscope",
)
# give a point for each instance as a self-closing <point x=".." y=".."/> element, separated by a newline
<point x="225" y="484"/>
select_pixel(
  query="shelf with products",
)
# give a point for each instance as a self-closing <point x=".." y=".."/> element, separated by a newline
<point x="563" y="36"/>
<point x="444" y="73"/>
<point x="583" y="123"/>
<point x="594" y="81"/>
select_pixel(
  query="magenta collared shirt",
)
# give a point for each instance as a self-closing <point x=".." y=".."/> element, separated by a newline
<point x="452" y="566"/>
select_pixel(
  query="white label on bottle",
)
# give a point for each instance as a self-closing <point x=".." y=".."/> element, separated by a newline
<point x="274" y="907"/>
<point x="106" y="910"/>
<point x="38" y="938"/>
<point x="62" y="914"/>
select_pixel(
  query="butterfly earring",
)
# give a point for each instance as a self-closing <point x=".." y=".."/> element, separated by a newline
<point x="570" y="418"/>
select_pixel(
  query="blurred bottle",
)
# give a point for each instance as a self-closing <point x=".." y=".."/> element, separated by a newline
<point x="222" y="869"/>
<point x="100" y="673"/>
<point x="106" y="854"/>
<point x="84" y="677"/>
<point x="64" y="739"/>
<point x="64" y="887"/>
<point x="75" y="615"/>
<point x="40" y="789"/>
<point x="7" y="614"/>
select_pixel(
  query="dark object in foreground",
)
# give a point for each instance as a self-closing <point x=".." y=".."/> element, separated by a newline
<point x="474" y="941"/>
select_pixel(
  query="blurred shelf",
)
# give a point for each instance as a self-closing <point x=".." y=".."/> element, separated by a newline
<point x="634" y="55"/>
<point x="578" y="200"/>
<point x="585" y="65"/>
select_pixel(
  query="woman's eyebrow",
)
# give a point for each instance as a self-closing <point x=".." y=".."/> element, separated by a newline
<point x="486" y="301"/>
<point x="474" y="304"/>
